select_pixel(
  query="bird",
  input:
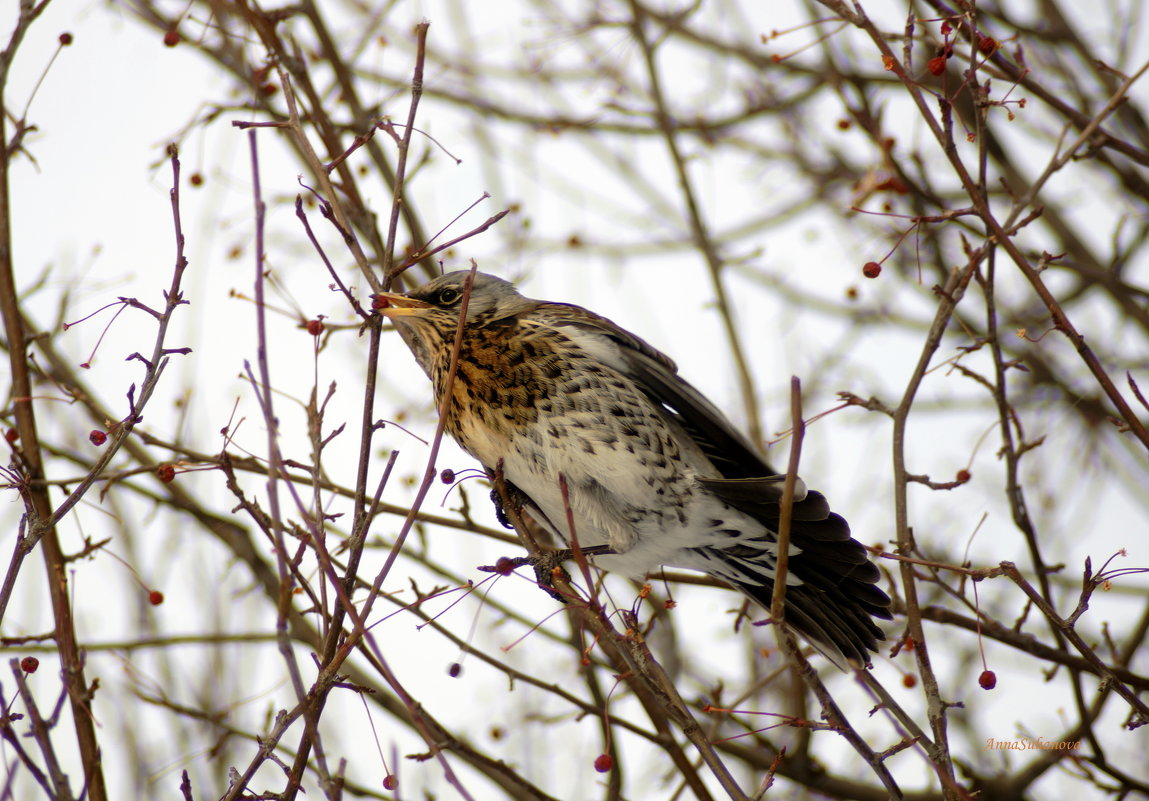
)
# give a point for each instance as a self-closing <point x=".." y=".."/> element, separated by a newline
<point x="655" y="474"/>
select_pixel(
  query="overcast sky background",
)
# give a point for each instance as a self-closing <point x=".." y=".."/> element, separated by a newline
<point x="92" y="222"/>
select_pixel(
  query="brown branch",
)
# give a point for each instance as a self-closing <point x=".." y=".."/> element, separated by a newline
<point x="1109" y="679"/>
<point x="786" y="511"/>
<point x="1002" y="238"/>
<point x="939" y="753"/>
<point x="652" y="687"/>
<point x="699" y="230"/>
<point x="1029" y="644"/>
<point x="398" y="201"/>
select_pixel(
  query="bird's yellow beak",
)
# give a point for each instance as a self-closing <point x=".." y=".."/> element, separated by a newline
<point x="392" y="305"/>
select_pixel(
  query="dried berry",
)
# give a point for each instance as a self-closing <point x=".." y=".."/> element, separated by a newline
<point x="871" y="269"/>
<point x="29" y="664"/>
<point x="987" y="45"/>
<point x="155" y="597"/>
<point x="455" y="670"/>
<point x="315" y="327"/>
<point x="963" y="476"/>
<point x="505" y="566"/>
<point x="65" y="39"/>
<point x="936" y="65"/>
<point x="893" y="184"/>
<point x="171" y="38"/>
<point x="390" y="782"/>
<point x="603" y="763"/>
<point x="97" y="437"/>
<point x="166" y="473"/>
<point x="987" y="679"/>
<point x="909" y="680"/>
<point x="196" y="179"/>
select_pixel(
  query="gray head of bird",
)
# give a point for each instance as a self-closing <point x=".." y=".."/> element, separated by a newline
<point x="428" y="316"/>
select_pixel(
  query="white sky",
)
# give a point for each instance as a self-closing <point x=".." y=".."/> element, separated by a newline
<point x="92" y="214"/>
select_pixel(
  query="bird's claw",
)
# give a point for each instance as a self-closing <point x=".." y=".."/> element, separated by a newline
<point x="514" y="497"/>
<point x="545" y="564"/>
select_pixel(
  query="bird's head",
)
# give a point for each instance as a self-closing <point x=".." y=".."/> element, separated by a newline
<point x="428" y="316"/>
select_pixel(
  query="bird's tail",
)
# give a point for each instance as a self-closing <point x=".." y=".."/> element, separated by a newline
<point x="831" y="596"/>
<point x="837" y="623"/>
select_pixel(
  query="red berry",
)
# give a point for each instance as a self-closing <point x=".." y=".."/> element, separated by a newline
<point x="909" y="680"/>
<point x="11" y="435"/>
<point x="97" y="437"/>
<point x="936" y="65"/>
<point x="871" y="269"/>
<point x="65" y="39"/>
<point x="196" y="179"/>
<point x="987" y="44"/>
<point x="390" y="782"/>
<point x="455" y="670"/>
<point x="963" y="476"/>
<point x="603" y="763"/>
<point x="987" y="679"/>
<point x="447" y="476"/>
<point x="85" y="365"/>
<point x="29" y="664"/>
<point x="505" y="566"/>
<point x="269" y="89"/>
<point x="166" y="473"/>
<point x="171" y="38"/>
<point x="315" y="327"/>
<point x="155" y="597"/>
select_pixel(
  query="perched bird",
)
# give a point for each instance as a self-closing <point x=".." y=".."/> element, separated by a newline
<point x="655" y="474"/>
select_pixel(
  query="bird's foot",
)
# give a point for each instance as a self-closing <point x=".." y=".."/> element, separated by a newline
<point x="515" y="497"/>
<point x="545" y="564"/>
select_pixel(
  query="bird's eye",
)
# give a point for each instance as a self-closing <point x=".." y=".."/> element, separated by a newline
<point x="448" y="296"/>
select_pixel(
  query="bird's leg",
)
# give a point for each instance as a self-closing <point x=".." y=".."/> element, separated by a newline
<point x="511" y="496"/>
<point x="509" y="501"/>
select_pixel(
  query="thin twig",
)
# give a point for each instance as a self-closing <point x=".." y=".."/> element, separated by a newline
<point x="786" y="511"/>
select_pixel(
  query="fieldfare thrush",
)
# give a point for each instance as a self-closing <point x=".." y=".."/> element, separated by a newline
<point x="656" y="475"/>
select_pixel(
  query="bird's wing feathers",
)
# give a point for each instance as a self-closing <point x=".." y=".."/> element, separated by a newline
<point x="656" y="375"/>
<point x="582" y="323"/>
<point x="837" y="597"/>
